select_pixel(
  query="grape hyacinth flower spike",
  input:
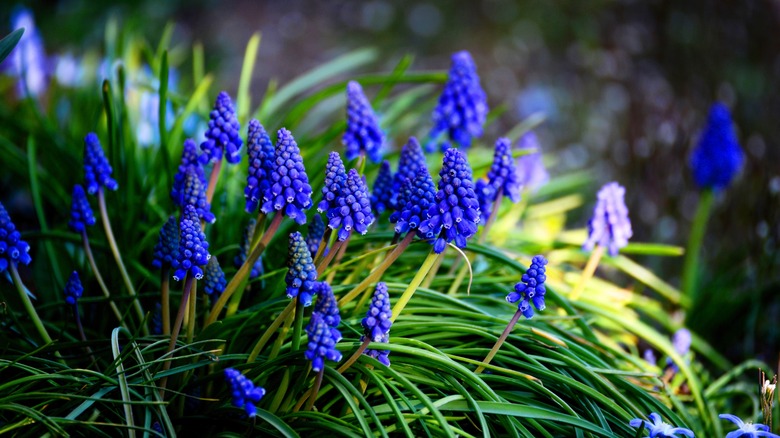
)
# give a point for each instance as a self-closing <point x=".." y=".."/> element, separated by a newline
<point x="28" y="61"/>
<point x="503" y="179"/>
<point x="455" y="214"/>
<point x="352" y="209"/>
<point x="322" y="342"/>
<point x="377" y="323"/>
<point x="290" y="192"/>
<point x="747" y="430"/>
<point x="658" y="429"/>
<point x="715" y="162"/>
<point x="315" y="235"/>
<point x="382" y="193"/>
<point x="609" y="227"/>
<point x="193" y="248"/>
<point x="246" y="243"/>
<point x="260" y="150"/>
<point x="462" y="107"/>
<point x="363" y="136"/>
<point x="194" y="193"/>
<point x="81" y="215"/>
<point x="530" y="167"/>
<point x="213" y="280"/>
<point x="302" y="275"/>
<point x="326" y="304"/>
<point x="335" y="181"/>
<point x="486" y="194"/>
<point x="97" y="171"/>
<point x="166" y="251"/>
<point x="73" y="289"/>
<point x="530" y="290"/>
<point x="245" y="394"/>
<point x="222" y="135"/>
<point x="410" y="162"/>
<point x="189" y="160"/>
<point x="419" y="194"/>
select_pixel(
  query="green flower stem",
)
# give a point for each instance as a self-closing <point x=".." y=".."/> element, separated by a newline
<point x="499" y="342"/>
<point x="323" y="244"/>
<point x="213" y="178"/>
<point x="242" y="276"/>
<point x="434" y="270"/>
<point x="396" y="238"/>
<point x="115" y="250"/>
<point x="352" y="359"/>
<point x="587" y="272"/>
<point x="331" y="254"/>
<point x="82" y="336"/>
<point x="315" y="390"/>
<point x="193" y="302"/>
<point x="99" y="278"/>
<point x="259" y="225"/>
<point x="339" y="257"/>
<point x="270" y="331"/>
<point x="188" y="283"/>
<point x="361" y="163"/>
<point x="699" y="226"/>
<point x="418" y="278"/>
<point x="165" y="299"/>
<point x="28" y="304"/>
<point x="235" y="301"/>
<point x="281" y="338"/>
<point x="376" y="274"/>
<point x="298" y="327"/>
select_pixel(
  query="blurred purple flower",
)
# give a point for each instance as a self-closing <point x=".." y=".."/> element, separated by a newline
<point x="609" y="226"/>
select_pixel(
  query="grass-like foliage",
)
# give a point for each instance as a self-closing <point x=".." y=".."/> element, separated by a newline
<point x="574" y="370"/>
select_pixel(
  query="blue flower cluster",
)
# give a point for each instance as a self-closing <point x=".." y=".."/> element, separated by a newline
<point x="485" y="194"/>
<point x="260" y="150"/>
<point x="13" y="250"/>
<point x="238" y="260"/>
<point x="166" y="251"/>
<point x="193" y="248"/>
<point x="194" y="193"/>
<point x="746" y="430"/>
<point x="326" y="305"/>
<point x="214" y="281"/>
<point x="418" y="196"/>
<point x="81" y="215"/>
<point x="530" y="166"/>
<point x="322" y="342"/>
<point x="352" y="208"/>
<point x="659" y="429"/>
<point x="718" y="157"/>
<point x="335" y="180"/>
<point x="531" y="288"/>
<point x="363" y="134"/>
<point x="97" y="171"/>
<point x="28" y="61"/>
<point x="462" y="107"/>
<point x="315" y="234"/>
<point x="455" y="213"/>
<point x="222" y="135"/>
<point x="503" y="174"/>
<point x="377" y="323"/>
<point x="301" y="276"/>
<point x="412" y="159"/>
<point x="382" y="193"/>
<point x="245" y="393"/>
<point x="290" y="192"/>
<point x="610" y="226"/>
<point x="189" y="160"/>
<point x="73" y="289"/>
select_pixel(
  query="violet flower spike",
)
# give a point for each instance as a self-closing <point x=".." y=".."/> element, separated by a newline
<point x="377" y="323"/>
<point x="28" y="60"/>
<point x="455" y="214"/>
<point x="81" y="215"/>
<point x="166" y="251"/>
<point x="301" y="276"/>
<point x="260" y="151"/>
<point x="503" y="174"/>
<point x="214" y="281"/>
<point x="194" y="193"/>
<point x="412" y="159"/>
<point x="335" y="180"/>
<point x="352" y="209"/>
<point x="363" y="135"/>
<point x="531" y="288"/>
<point x="610" y="226"/>
<point x="382" y="193"/>
<point x="315" y="234"/>
<point x="193" y="248"/>
<point x="326" y="305"/>
<point x="322" y="342"/>
<point x="189" y="160"/>
<point x="530" y="167"/>
<point x="13" y="250"/>
<point x="420" y="195"/>
<point x="717" y="157"/>
<point x="222" y="135"/>
<point x="658" y="429"/>
<point x="290" y="192"/>
<point x="245" y="394"/>
<point x="97" y="171"/>
<point x="246" y="242"/>
<point x="73" y="289"/>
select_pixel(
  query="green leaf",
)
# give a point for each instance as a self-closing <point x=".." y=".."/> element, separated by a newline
<point x="8" y="43"/>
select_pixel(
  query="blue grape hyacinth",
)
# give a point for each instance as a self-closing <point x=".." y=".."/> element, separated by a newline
<point x="531" y="288"/>
<point x="419" y="194"/>
<point x="530" y="167"/>
<point x="315" y="235"/>
<point x="609" y="226"/>
<point x="378" y="321"/>
<point x="245" y="393"/>
<point x="222" y="135"/>
<point x="352" y="209"/>
<point x="335" y="180"/>
<point x="382" y="193"/>
<point x="194" y="193"/>
<point x="81" y="215"/>
<point x="166" y="251"/>
<point x="455" y="213"/>
<point x="193" y="248"/>
<point x="322" y="342"/>
<point x="290" y="192"/>
<point x="747" y="430"/>
<point x="28" y="60"/>
<point x="214" y="281"/>
<point x="658" y="429"/>
<point x="462" y="107"/>
<point x="503" y="174"/>
<point x="238" y="260"/>
<point x="73" y="289"/>
<point x="486" y="195"/>
<point x="301" y="276"/>
<point x="326" y="305"/>
<point x="189" y="160"/>
<point x="13" y="250"/>
<point x="718" y="157"/>
<point x="363" y="135"/>
<point x="260" y="150"/>
<point x="412" y="159"/>
<point x="97" y="171"/>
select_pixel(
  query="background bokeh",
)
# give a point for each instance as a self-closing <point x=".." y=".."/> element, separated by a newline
<point x="625" y="87"/>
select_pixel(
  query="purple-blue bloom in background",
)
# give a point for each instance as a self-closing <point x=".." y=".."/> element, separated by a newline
<point x="238" y="260"/>
<point x="214" y="281"/>
<point x="609" y="226"/>
<point x="363" y="135"/>
<point x="382" y="193"/>
<point x="462" y="107"/>
<point x="503" y="174"/>
<point x="290" y="192"/>
<point x="13" y="250"/>
<point x="315" y="235"/>
<point x="245" y="393"/>
<point x="189" y="160"/>
<point x="260" y="150"/>
<point x="28" y="60"/>
<point x="326" y="305"/>
<point x="194" y="193"/>
<point x="73" y="289"/>
<point x="81" y="215"/>
<point x="222" y="135"/>
<point x="97" y="171"/>
<point x="530" y="167"/>
<point x="166" y="251"/>
<point x="412" y="159"/>
<point x="718" y="157"/>
<point x="659" y="429"/>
